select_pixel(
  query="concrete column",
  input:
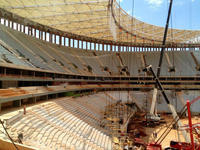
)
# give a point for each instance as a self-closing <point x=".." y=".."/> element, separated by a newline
<point x="64" y="41"/>
<point x="90" y="46"/>
<point x="39" y="34"/>
<point x="31" y="31"/>
<point x="95" y="46"/>
<point x="69" y="42"/>
<point x="17" y="26"/>
<point x="55" y="38"/>
<point x="60" y="40"/>
<point x="4" y="22"/>
<point x="24" y="28"/>
<point x="50" y="37"/>
<point x="78" y="44"/>
<point x="12" y="24"/>
<point x="20" y="28"/>
<point x="35" y="32"/>
<point x="9" y="23"/>
<point x="45" y="36"/>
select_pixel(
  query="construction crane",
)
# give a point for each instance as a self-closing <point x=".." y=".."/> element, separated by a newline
<point x="177" y="144"/>
<point x="153" y="115"/>
<point x="170" y="106"/>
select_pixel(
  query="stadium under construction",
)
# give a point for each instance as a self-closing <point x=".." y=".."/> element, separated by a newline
<point x="86" y="75"/>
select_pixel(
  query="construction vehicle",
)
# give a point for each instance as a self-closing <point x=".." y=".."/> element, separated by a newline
<point x="176" y="145"/>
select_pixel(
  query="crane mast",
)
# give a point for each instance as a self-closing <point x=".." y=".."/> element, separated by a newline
<point x="156" y="77"/>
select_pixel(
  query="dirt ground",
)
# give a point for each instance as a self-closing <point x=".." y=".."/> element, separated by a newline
<point x="173" y="134"/>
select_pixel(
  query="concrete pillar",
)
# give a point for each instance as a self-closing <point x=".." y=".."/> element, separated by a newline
<point x="95" y="46"/>
<point x="60" y="40"/>
<point x="12" y="24"/>
<point x="50" y="37"/>
<point x="69" y="42"/>
<point x="90" y="46"/>
<point x="9" y="23"/>
<point x="4" y="22"/>
<point x="64" y="41"/>
<point x="41" y="35"/>
<point x="82" y="44"/>
<point x="17" y="26"/>
<point x="78" y="44"/>
<point x="24" y="28"/>
<point x="119" y="48"/>
<point x="31" y="31"/>
<point x="55" y="38"/>
<point x="35" y="32"/>
<point x="45" y="36"/>
<point x="20" y="28"/>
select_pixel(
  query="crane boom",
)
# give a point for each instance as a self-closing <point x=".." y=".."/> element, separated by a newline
<point x="161" y="59"/>
<point x="170" y="106"/>
<point x="164" y="39"/>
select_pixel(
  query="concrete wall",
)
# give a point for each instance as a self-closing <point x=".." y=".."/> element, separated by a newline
<point x="144" y="99"/>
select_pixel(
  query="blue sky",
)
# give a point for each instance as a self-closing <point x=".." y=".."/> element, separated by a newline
<point x="185" y="13"/>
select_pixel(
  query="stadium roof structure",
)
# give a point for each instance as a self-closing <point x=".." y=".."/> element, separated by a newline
<point x="97" y="19"/>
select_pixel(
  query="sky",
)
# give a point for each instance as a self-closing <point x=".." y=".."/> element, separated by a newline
<point x="185" y="13"/>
